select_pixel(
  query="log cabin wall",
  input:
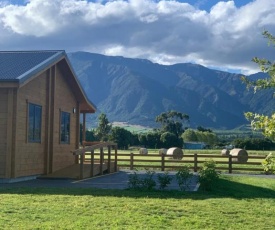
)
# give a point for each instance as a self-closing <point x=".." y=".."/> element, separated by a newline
<point x="3" y="130"/>
<point x="51" y="91"/>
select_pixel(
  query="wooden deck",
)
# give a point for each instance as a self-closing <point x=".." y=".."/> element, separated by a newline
<point x="73" y="171"/>
<point x="89" y="167"/>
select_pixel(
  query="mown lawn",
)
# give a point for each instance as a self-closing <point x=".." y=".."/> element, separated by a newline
<point x="238" y="202"/>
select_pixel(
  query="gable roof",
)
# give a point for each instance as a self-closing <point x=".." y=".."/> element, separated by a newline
<point x="19" y="66"/>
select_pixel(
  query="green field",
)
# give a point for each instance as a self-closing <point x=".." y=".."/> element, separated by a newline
<point x="238" y="202"/>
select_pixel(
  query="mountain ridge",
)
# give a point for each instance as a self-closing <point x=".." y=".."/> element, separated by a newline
<point x="137" y="90"/>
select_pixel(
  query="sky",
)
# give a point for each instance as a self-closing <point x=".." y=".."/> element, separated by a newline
<point x="222" y="35"/>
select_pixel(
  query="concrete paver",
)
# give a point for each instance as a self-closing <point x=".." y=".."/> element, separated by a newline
<point x="118" y="180"/>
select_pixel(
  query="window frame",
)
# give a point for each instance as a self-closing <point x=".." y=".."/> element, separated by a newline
<point x="65" y="120"/>
<point x="34" y="122"/>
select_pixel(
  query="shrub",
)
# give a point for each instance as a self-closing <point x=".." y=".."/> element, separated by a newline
<point x="164" y="180"/>
<point x="183" y="177"/>
<point x="134" y="181"/>
<point x="269" y="164"/>
<point x="148" y="182"/>
<point x="208" y="175"/>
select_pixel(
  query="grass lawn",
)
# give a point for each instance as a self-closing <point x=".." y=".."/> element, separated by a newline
<point x="238" y="202"/>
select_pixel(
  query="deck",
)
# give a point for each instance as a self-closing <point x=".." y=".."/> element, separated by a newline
<point x="89" y="168"/>
<point x="74" y="171"/>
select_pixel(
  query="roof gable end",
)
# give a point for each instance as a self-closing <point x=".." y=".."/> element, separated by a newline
<point x="18" y="66"/>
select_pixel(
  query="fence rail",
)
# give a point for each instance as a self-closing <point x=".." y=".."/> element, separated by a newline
<point x="195" y="161"/>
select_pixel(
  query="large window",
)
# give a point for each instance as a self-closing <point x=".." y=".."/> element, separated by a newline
<point x="65" y="127"/>
<point x="34" y="118"/>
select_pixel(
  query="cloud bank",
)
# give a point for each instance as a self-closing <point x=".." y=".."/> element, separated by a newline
<point x="162" y="31"/>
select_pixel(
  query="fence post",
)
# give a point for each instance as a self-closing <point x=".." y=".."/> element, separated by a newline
<point x="162" y="162"/>
<point x="230" y="164"/>
<point x="101" y="161"/>
<point x="115" y="146"/>
<point x="132" y="161"/>
<point x="195" y="162"/>
<point x="109" y="159"/>
<point x="92" y="163"/>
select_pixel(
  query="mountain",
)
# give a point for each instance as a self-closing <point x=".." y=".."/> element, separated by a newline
<point x="137" y="90"/>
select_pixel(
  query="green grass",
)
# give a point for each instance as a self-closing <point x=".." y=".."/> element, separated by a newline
<point x="238" y="202"/>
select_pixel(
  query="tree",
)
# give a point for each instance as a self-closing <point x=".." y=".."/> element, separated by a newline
<point x="189" y="135"/>
<point x="103" y="128"/>
<point x="172" y="122"/>
<point x="153" y="139"/>
<point x="170" y="140"/>
<point x="122" y="137"/>
<point x="259" y="121"/>
<point x="254" y="143"/>
<point x="202" y="129"/>
<point x="142" y="139"/>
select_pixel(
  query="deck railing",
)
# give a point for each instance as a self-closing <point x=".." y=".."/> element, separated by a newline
<point x="89" y="149"/>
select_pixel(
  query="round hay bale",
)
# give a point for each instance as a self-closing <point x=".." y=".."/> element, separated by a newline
<point x="241" y="155"/>
<point x="143" y="151"/>
<point x="225" y="152"/>
<point x="175" y="152"/>
<point x="162" y="151"/>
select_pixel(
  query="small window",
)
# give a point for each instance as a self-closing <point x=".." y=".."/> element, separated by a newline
<point x="34" y="120"/>
<point x="65" y="127"/>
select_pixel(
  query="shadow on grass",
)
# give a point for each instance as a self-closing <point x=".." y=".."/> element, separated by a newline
<point x="226" y="187"/>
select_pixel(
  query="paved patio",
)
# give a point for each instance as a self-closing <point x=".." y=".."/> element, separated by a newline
<point x="118" y="180"/>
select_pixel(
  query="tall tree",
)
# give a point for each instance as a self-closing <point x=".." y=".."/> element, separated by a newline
<point x="170" y="140"/>
<point x="122" y="137"/>
<point x="172" y="122"/>
<point x="189" y="135"/>
<point x="260" y="121"/>
<point x="104" y="127"/>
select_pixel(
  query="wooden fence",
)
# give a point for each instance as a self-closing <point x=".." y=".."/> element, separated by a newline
<point x="194" y="161"/>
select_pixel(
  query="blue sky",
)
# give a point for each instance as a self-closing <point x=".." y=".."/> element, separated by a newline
<point x="218" y="34"/>
<point x="207" y="4"/>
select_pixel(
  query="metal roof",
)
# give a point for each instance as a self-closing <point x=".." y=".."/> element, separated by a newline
<point x="19" y="65"/>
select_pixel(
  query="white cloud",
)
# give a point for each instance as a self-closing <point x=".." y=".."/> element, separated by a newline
<point x="162" y="31"/>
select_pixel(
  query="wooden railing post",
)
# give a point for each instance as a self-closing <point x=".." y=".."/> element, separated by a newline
<point x="82" y="165"/>
<point x="101" y="159"/>
<point x="109" y="159"/>
<point x="92" y="163"/>
<point x="230" y="164"/>
<point x="162" y="162"/>
<point x="195" y="162"/>
<point x="131" y="161"/>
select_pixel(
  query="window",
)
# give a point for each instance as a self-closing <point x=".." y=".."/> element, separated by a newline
<point x="34" y="119"/>
<point x="65" y="127"/>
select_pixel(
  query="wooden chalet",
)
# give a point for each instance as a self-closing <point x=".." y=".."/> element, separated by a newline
<point x="41" y="101"/>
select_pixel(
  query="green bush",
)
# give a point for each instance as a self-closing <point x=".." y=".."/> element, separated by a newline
<point x="208" y="175"/>
<point x="183" y="177"/>
<point x="269" y="164"/>
<point x="147" y="183"/>
<point x="164" y="180"/>
<point x="134" y="181"/>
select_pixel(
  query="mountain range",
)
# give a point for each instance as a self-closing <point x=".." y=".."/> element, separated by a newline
<point x="137" y="90"/>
